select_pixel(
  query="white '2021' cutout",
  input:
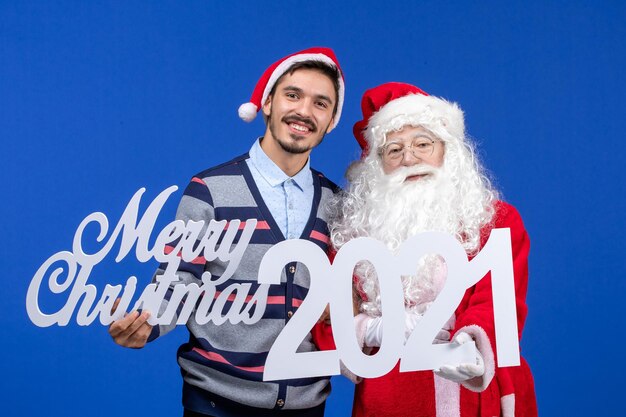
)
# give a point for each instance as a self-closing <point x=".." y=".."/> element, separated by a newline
<point x="333" y="284"/>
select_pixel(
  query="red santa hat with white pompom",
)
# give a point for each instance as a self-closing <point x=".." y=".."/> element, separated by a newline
<point x="388" y="104"/>
<point x="248" y="111"/>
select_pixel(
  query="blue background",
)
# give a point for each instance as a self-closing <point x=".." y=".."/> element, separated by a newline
<point x="98" y="99"/>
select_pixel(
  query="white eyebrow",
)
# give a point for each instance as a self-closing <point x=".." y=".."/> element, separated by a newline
<point x="416" y="136"/>
<point x="423" y="135"/>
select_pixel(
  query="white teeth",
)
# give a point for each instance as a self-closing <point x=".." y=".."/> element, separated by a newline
<point x="299" y="128"/>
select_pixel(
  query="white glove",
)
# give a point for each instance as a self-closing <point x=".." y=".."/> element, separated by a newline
<point x="374" y="332"/>
<point x="442" y="337"/>
<point x="374" y="329"/>
<point x="411" y="318"/>
<point x="463" y="371"/>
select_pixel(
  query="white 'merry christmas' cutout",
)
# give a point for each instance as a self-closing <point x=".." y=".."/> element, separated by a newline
<point x="133" y="232"/>
<point x="330" y="284"/>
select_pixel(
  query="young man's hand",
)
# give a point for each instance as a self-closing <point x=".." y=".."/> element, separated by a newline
<point x="132" y="331"/>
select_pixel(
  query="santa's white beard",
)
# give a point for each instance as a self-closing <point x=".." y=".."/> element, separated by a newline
<point x="391" y="209"/>
<point x="398" y="208"/>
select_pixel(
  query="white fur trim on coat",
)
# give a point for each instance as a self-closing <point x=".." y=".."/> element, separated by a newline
<point x="447" y="397"/>
<point x="507" y="403"/>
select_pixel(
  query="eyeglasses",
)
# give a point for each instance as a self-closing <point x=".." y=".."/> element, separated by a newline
<point x="393" y="152"/>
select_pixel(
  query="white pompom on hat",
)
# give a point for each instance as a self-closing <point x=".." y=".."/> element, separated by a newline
<point x="248" y="111"/>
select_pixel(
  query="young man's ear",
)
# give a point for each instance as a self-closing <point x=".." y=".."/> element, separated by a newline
<point x="331" y="126"/>
<point x="267" y="106"/>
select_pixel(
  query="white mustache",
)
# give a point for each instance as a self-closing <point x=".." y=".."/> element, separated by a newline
<point x="401" y="174"/>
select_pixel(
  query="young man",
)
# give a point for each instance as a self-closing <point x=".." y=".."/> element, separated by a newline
<point x="301" y="97"/>
<point x="419" y="173"/>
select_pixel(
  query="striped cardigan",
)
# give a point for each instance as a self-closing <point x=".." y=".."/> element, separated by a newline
<point x="228" y="360"/>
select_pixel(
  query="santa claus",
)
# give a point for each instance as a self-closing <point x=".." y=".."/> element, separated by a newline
<point x="419" y="172"/>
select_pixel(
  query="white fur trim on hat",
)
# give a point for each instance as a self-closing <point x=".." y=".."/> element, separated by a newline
<point x="434" y="113"/>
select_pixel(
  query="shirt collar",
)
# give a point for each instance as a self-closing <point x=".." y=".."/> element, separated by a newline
<point x="272" y="173"/>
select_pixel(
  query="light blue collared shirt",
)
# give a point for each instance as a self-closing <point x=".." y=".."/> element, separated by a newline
<point x="289" y="199"/>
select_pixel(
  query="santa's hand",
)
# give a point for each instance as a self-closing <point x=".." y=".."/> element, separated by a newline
<point x="411" y="318"/>
<point x="463" y="371"/>
<point x="442" y="337"/>
<point x="373" y="332"/>
<point x="374" y="328"/>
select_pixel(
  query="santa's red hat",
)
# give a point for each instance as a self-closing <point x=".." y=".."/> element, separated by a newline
<point x="248" y="111"/>
<point x="391" y="106"/>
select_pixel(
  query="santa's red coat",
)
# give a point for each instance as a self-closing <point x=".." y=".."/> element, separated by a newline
<point x="503" y="392"/>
